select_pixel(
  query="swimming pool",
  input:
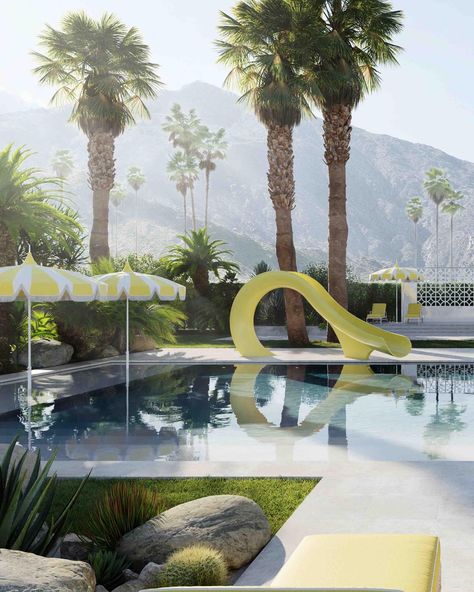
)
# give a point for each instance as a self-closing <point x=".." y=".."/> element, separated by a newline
<point x="247" y="413"/>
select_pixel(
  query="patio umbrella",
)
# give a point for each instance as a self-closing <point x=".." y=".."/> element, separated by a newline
<point x="396" y="274"/>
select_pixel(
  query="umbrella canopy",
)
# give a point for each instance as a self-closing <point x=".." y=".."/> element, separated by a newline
<point x="140" y="286"/>
<point x="396" y="274"/>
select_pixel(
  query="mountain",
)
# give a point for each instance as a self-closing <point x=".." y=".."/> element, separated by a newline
<point x="10" y="103"/>
<point x="383" y="173"/>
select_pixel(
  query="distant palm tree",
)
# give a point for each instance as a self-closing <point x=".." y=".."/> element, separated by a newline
<point x="186" y="132"/>
<point x="438" y="188"/>
<point x="254" y="43"/>
<point x="63" y="165"/>
<point x="104" y="69"/>
<point x="136" y="179"/>
<point x="212" y="147"/>
<point x="183" y="171"/>
<point x="198" y="257"/>
<point x="117" y="194"/>
<point x="414" y="210"/>
<point x="451" y="207"/>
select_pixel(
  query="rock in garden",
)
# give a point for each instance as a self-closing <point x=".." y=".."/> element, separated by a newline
<point x="150" y="574"/>
<point x="74" y="547"/>
<point x="47" y="353"/>
<point x="232" y="524"/>
<point x="26" y="572"/>
<point x="100" y="588"/>
<point x="109" y="351"/>
<point x="132" y="586"/>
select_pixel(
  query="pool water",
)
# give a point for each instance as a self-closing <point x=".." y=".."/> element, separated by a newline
<point x="248" y="413"/>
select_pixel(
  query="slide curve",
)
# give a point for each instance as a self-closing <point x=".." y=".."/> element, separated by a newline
<point x="358" y="339"/>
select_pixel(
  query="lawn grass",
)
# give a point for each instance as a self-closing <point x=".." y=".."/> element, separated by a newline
<point x="278" y="497"/>
<point x="210" y="339"/>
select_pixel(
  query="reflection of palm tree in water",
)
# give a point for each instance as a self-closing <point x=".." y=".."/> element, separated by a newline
<point x="443" y="423"/>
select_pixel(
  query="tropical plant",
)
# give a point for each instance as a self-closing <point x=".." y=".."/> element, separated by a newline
<point x="254" y="43"/>
<point x="438" y="189"/>
<point x="451" y="207"/>
<point x="31" y="209"/>
<point x="414" y="211"/>
<point x="104" y="69"/>
<point x="108" y="567"/>
<point x="183" y="172"/>
<point x="341" y="44"/>
<point x="212" y="147"/>
<point x="63" y="165"/>
<point x="198" y="257"/>
<point x="198" y="565"/>
<point x="261" y="267"/>
<point x="26" y="520"/>
<point x="186" y="132"/>
<point x="136" y="179"/>
<point x="123" y="507"/>
<point x="117" y="194"/>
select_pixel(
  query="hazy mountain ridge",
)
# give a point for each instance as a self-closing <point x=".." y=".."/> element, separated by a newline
<point x="383" y="173"/>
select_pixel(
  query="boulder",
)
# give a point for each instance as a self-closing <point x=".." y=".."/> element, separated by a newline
<point x="232" y="524"/>
<point x="100" y="588"/>
<point x="18" y="452"/>
<point x="132" y="586"/>
<point x="150" y="574"/>
<point x="129" y="575"/>
<point x="26" y="572"/>
<point x="74" y="547"/>
<point x="109" y="351"/>
<point x="46" y="353"/>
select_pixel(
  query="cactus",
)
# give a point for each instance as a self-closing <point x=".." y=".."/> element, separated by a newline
<point x="198" y="565"/>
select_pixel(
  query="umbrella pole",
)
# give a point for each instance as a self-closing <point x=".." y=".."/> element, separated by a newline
<point x="127" y="363"/>
<point x="29" y="373"/>
<point x="396" y="302"/>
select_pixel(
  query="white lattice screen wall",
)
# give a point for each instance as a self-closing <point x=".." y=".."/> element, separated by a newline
<point x="453" y="294"/>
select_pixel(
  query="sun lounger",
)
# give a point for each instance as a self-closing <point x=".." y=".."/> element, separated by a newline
<point x="414" y="312"/>
<point x="378" y="312"/>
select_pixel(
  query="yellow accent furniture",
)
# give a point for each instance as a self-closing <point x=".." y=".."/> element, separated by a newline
<point x="378" y="312"/>
<point x="356" y="563"/>
<point x="414" y="312"/>
<point x="358" y="339"/>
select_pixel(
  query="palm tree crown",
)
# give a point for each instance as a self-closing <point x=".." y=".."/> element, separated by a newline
<point x="437" y="185"/>
<point x="135" y="177"/>
<point x="414" y="209"/>
<point x="63" y="163"/>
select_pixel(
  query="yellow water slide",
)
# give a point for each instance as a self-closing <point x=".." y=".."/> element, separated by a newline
<point x="358" y="339"/>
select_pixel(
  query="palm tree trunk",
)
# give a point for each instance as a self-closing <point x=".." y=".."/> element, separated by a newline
<point x="437" y="242"/>
<point x="416" y="245"/>
<point x="281" y="187"/>
<point x="207" y="198"/>
<point x="337" y="137"/>
<point x="451" y="244"/>
<point x="116" y="232"/>
<point x="185" y="214"/>
<point x="101" y="177"/>
<point x="7" y="257"/>
<point x="136" y="222"/>
<point x="193" y="208"/>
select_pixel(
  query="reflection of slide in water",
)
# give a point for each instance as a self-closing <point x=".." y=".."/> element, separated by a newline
<point x="355" y="381"/>
<point x="358" y="339"/>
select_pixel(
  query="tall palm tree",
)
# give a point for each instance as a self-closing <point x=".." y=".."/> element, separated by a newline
<point x="63" y="165"/>
<point x="451" y="207"/>
<point x="342" y="43"/>
<point x="414" y="211"/>
<point x="136" y="179"/>
<point x="186" y="132"/>
<point x="31" y="208"/>
<point x="117" y="194"/>
<point x="182" y="170"/>
<point x="104" y="69"/>
<point x="213" y="147"/>
<point x="254" y="43"/>
<point x="198" y="257"/>
<point x="438" y="189"/>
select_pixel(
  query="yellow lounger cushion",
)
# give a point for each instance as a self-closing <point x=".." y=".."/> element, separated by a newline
<point x="410" y="563"/>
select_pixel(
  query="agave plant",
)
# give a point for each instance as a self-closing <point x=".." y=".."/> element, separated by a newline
<point x="108" y="567"/>
<point x="26" y="521"/>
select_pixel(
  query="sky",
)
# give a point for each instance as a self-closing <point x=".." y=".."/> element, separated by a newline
<point x="428" y="98"/>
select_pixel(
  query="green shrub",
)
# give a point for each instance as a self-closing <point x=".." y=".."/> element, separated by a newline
<point x="26" y="505"/>
<point x="108" y="567"/>
<point x="198" y="565"/>
<point x="126" y="505"/>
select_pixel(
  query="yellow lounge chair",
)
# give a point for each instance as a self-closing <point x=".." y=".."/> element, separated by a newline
<point x="414" y="312"/>
<point x="378" y="312"/>
<point x="355" y="563"/>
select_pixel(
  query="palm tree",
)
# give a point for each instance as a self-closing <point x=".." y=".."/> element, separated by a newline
<point x="117" y="194"/>
<point x="414" y="210"/>
<point x="342" y="43"/>
<point x="198" y="257"/>
<point x="254" y="44"/>
<point x="451" y="207"/>
<point x="136" y="179"/>
<point x="438" y="189"/>
<point x="30" y="208"/>
<point x="63" y="165"/>
<point x="213" y="147"/>
<point x="182" y="170"/>
<point x="104" y="69"/>
<point x="186" y="132"/>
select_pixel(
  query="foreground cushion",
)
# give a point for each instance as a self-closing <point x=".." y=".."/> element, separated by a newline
<point x="410" y="563"/>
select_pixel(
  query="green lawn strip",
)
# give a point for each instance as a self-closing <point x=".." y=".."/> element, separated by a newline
<point x="209" y="339"/>
<point x="443" y="343"/>
<point x="278" y="497"/>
